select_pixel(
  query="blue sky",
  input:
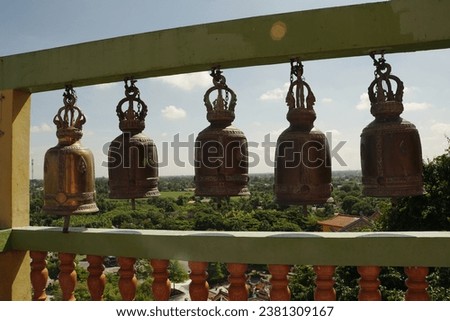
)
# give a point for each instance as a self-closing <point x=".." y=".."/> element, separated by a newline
<point x="176" y="102"/>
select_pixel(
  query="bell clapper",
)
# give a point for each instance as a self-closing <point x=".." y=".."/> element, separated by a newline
<point x="305" y="210"/>
<point x="66" y="224"/>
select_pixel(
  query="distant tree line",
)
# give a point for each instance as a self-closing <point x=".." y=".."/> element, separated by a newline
<point x="259" y="212"/>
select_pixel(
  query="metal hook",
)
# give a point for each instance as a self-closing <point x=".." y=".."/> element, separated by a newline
<point x="216" y="73"/>
<point x="69" y="96"/>
<point x="380" y="64"/>
<point x="296" y="66"/>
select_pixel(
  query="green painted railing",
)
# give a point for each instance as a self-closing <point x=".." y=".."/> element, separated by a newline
<point x="392" y="26"/>
<point x="428" y="249"/>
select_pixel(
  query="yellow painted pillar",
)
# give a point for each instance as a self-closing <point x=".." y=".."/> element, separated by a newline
<point x="14" y="189"/>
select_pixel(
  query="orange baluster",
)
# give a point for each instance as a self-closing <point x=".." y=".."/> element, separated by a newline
<point x="161" y="283"/>
<point x="369" y="283"/>
<point x="127" y="278"/>
<point x="237" y="290"/>
<point x="199" y="287"/>
<point x="417" y="284"/>
<point x="324" y="283"/>
<point x="97" y="279"/>
<point x="279" y="281"/>
<point x="39" y="275"/>
<point x="67" y="276"/>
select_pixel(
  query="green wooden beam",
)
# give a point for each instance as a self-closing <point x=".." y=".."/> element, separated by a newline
<point x="354" y="249"/>
<point x="394" y="26"/>
<point x="4" y="240"/>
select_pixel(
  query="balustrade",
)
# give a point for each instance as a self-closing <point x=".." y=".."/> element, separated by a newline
<point x="279" y="281"/>
<point x="369" y="283"/>
<point x="238" y="288"/>
<point x="417" y="284"/>
<point x="97" y="279"/>
<point x="67" y="276"/>
<point x="161" y="282"/>
<point x="39" y="275"/>
<point x="324" y="283"/>
<point x="127" y="278"/>
<point x="199" y="287"/>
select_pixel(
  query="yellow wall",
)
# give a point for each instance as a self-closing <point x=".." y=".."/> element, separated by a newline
<point x="14" y="189"/>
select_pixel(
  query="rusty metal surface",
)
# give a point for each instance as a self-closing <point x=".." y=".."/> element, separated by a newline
<point x="302" y="161"/>
<point x="391" y="153"/>
<point x="69" y="179"/>
<point x="132" y="156"/>
<point x="221" y="151"/>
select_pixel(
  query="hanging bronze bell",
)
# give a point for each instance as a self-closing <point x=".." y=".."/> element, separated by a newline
<point x="221" y="151"/>
<point x="69" y="179"/>
<point x="132" y="156"/>
<point x="391" y="154"/>
<point x="302" y="160"/>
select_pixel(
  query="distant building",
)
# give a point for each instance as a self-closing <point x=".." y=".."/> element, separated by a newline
<point x="343" y="223"/>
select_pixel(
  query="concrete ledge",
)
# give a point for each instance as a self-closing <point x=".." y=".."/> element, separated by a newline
<point x="5" y="240"/>
<point x="348" y="248"/>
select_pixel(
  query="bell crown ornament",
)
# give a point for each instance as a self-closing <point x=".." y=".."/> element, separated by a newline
<point x="69" y="119"/>
<point x="132" y="119"/>
<point x="385" y="103"/>
<point x="301" y="112"/>
<point x="221" y="110"/>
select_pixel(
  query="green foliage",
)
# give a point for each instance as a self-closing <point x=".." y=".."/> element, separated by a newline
<point x="53" y="266"/>
<point x="143" y="269"/>
<point x="429" y="212"/>
<point x="111" y="292"/>
<point x="144" y="291"/>
<point x="177" y="273"/>
<point x="301" y="283"/>
<point x="346" y="283"/>
<point x="439" y="284"/>
<point x="392" y="285"/>
<point x="178" y="209"/>
<point x="217" y="273"/>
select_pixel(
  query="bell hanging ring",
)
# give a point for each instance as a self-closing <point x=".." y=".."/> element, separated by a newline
<point x="69" y="178"/>
<point x="221" y="151"/>
<point x="302" y="160"/>
<point x="391" y="153"/>
<point x="132" y="156"/>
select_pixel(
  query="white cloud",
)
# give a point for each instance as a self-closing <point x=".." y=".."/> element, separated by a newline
<point x="44" y="127"/>
<point x="364" y="102"/>
<point x="327" y="100"/>
<point x="416" y="106"/>
<point x="105" y="86"/>
<point x="275" y="94"/>
<point x="411" y="90"/>
<point x="441" y="128"/>
<point x="276" y="132"/>
<point x="173" y="113"/>
<point x="334" y="132"/>
<point x="190" y="81"/>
